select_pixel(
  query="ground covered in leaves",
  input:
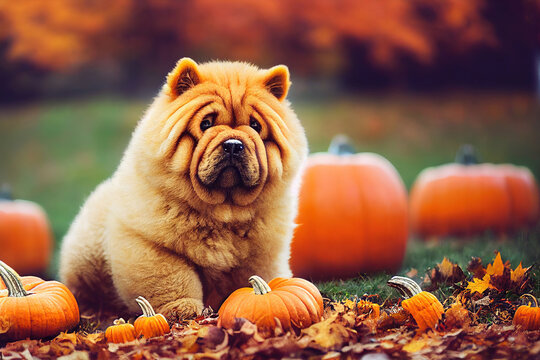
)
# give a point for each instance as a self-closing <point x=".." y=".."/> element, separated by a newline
<point x="477" y="324"/>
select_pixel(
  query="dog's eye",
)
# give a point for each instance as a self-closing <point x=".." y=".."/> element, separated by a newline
<point x="255" y="124"/>
<point x="208" y="121"/>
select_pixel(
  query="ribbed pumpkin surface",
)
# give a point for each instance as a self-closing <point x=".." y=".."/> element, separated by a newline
<point x="294" y="302"/>
<point x="50" y="309"/>
<point x="425" y="308"/>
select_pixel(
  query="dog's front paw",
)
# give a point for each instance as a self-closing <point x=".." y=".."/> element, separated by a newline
<point x="181" y="309"/>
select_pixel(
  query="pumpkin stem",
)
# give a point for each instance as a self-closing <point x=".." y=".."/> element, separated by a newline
<point x="407" y="287"/>
<point x="260" y="287"/>
<point x="532" y="298"/>
<point x="119" y="321"/>
<point x="341" y="145"/>
<point x="466" y="155"/>
<point x="13" y="282"/>
<point x="146" y="308"/>
<point x="5" y="192"/>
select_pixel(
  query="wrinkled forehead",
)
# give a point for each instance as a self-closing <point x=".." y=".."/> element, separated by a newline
<point x="238" y="77"/>
<point x="232" y="82"/>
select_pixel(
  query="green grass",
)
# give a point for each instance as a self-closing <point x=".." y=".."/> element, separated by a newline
<point x="58" y="152"/>
<point x="55" y="153"/>
<point x="423" y="256"/>
<point x="417" y="132"/>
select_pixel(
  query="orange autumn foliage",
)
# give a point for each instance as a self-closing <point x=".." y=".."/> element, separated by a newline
<point x="479" y="285"/>
<point x="457" y="316"/>
<point x="487" y="279"/>
<point x="497" y="268"/>
<point x="59" y="34"/>
<point x="63" y="33"/>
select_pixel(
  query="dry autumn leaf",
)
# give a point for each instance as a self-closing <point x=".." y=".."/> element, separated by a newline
<point x="94" y="338"/>
<point x="328" y="334"/>
<point x="411" y="273"/>
<point x="393" y="318"/>
<point x="501" y="282"/>
<point x="416" y="345"/>
<point x="446" y="268"/>
<point x="457" y="317"/>
<point x="476" y="268"/>
<point x="518" y="275"/>
<point x="213" y="338"/>
<point x="479" y="285"/>
<point x="446" y="272"/>
<point x="497" y="268"/>
<point x="497" y="275"/>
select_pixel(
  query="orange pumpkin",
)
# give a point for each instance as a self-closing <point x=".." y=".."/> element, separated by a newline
<point x="293" y="302"/>
<point x="120" y="332"/>
<point x="469" y="198"/>
<point x="524" y="196"/>
<point x="424" y="307"/>
<point x="33" y="308"/>
<point x="150" y="324"/>
<point x="25" y="236"/>
<point x="527" y="316"/>
<point x="352" y="216"/>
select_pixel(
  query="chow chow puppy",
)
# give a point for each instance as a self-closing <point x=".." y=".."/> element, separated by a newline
<point x="205" y="195"/>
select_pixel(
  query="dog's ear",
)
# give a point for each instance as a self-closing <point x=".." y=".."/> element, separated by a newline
<point x="277" y="81"/>
<point x="183" y="77"/>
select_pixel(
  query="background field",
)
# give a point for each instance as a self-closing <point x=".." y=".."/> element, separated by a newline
<point x="411" y="80"/>
<point x="56" y="152"/>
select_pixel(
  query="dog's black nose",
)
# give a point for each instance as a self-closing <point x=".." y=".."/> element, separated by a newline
<point x="233" y="147"/>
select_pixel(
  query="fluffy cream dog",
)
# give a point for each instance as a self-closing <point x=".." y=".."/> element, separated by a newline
<point x="204" y="197"/>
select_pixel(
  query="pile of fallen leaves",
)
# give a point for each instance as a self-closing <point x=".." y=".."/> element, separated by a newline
<point x="477" y="324"/>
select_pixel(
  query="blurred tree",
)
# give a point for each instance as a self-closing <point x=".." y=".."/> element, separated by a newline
<point x="311" y="36"/>
<point x="58" y="34"/>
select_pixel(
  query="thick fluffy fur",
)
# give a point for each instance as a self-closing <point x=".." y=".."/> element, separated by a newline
<point x="180" y="222"/>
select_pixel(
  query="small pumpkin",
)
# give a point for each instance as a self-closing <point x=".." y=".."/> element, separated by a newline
<point x="352" y="215"/>
<point x="294" y="302"/>
<point x="25" y="235"/>
<point x="34" y="308"/>
<point x="120" y="332"/>
<point x="150" y="324"/>
<point x="424" y="307"/>
<point x="527" y="316"/>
